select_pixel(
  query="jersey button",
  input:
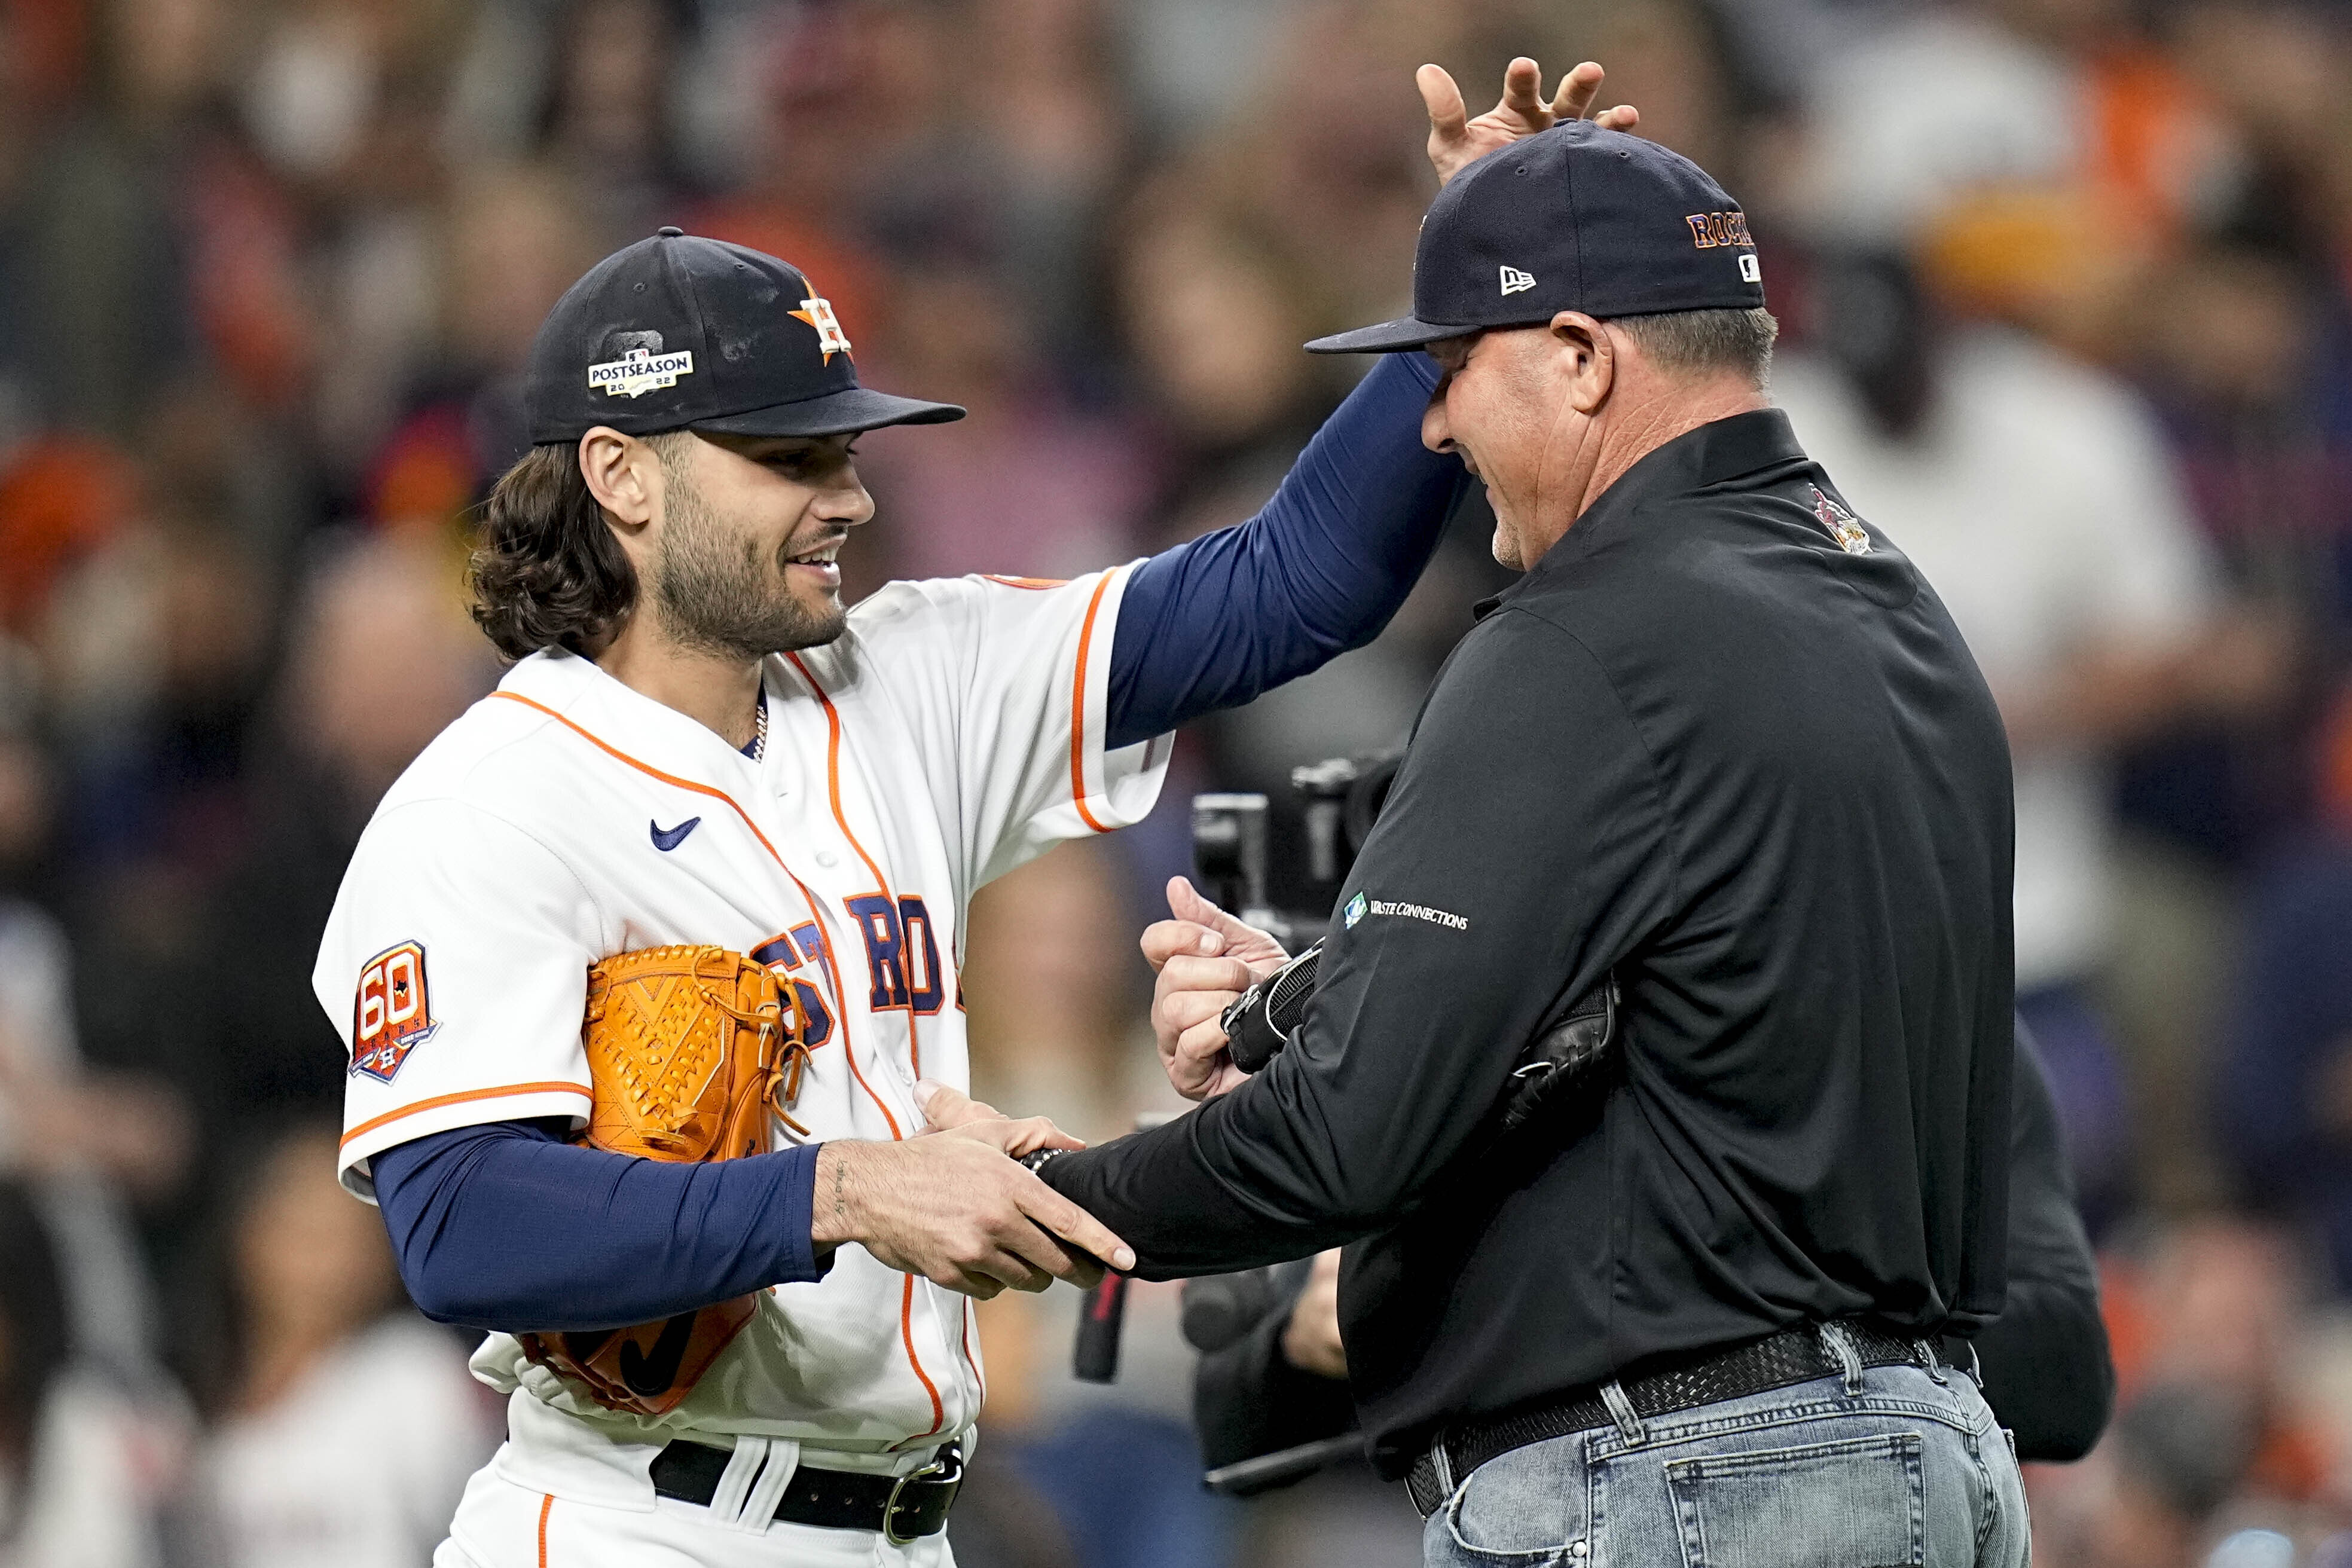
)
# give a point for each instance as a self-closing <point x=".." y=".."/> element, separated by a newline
<point x="827" y="858"/>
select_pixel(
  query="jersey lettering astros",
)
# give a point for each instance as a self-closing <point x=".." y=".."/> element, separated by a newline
<point x="955" y="731"/>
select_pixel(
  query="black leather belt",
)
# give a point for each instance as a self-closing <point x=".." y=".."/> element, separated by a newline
<point x="903" y="1508"/>
<point x="1791" y="1356"/>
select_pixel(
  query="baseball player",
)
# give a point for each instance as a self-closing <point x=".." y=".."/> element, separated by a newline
<point x="736" y="827"/>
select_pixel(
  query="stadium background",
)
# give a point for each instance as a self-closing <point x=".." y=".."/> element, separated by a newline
<point x="269" y="269"/>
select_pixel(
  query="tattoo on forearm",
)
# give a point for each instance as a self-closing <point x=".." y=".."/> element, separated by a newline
<point x="840" y="1203"/>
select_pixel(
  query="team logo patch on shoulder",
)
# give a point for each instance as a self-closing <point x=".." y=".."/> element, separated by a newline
<point x="1842" y="524"/>
<point x="393" y="1014"/>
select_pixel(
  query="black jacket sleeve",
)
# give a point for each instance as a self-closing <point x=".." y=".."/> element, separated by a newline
<point x="2047" y="1373"/>
<point x="1247" y="1399"/>
<point x="1455" y="938"/>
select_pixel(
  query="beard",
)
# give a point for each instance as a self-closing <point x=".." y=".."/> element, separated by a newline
<point x="713" y="592"/>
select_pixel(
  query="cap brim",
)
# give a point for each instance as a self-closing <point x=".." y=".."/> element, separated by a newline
<point x="1388" y="338"/>
<point x="840" y="412"/>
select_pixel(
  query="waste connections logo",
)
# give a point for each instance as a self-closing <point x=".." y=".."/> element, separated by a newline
<point x="1359" y="906"/>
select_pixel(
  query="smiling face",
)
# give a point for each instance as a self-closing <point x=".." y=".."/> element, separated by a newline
<point x="743" y="560"/>
<point x="1516" y="406"/>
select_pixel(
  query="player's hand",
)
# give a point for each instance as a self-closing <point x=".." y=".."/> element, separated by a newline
<point x="953" y="1208"/>
<point x="1456" y="141"/>
<point x="1310" y="1341"/>
<point x="1206" y="958"/>
<point x="948" y="1109"/>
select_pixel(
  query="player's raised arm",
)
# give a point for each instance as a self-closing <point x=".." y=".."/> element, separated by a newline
<point x="1215" y="622"/>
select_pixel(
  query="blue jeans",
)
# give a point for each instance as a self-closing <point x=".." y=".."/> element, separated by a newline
<point x="1895" y="1468"/>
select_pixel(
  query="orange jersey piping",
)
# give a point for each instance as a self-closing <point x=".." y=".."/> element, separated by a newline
<point x="1078" y="713"/>
<point x="907" y="1337"/>
<point x="546" y="1506"/>
<point x="970" y="1360"/>
<point x="841" y="818"/>
<point x="501" y="1093"/>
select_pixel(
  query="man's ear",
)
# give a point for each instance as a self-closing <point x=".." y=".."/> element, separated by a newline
<point x="623" y="475"/>
<point x="1588" y="358"/>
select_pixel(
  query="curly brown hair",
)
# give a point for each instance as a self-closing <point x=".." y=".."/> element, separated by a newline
<point x="549" y="573"/>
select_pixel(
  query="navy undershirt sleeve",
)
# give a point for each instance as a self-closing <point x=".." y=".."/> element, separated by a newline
<point x="507" y="1226"/>
<point x="1217" y="620"/>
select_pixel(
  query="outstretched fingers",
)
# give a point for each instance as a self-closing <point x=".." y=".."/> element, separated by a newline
<point x="1449" y="117"/>
<point x="1577" y="88"/>
<point x="1580" y="88"/>
<point x="1523" y="93"/>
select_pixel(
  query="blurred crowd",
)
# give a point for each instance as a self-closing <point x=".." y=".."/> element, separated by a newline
<point x="2065" y="289"/>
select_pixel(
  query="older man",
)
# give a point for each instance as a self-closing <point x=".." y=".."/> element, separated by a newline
<point x="1723" y="745"/>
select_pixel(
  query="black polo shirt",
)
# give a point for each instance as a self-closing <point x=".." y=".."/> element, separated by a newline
<point x="1724" y="741"/>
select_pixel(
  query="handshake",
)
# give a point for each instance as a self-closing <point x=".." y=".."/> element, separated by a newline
<point x="953" y="1204"/>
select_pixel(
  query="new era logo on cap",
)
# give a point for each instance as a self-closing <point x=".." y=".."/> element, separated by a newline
<point x="1514" y="280"/>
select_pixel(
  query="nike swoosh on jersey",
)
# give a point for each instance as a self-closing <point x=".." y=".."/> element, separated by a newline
<point x="668" y="838"/>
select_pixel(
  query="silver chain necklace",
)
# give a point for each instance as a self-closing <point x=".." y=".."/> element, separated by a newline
<point x="760" y="729"/>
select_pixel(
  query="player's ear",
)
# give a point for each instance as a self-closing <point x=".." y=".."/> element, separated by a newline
<point x="623" y="475"/>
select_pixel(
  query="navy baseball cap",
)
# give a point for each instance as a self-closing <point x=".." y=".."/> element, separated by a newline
<point x="1573" y="218"/>
<point x="678" y="332"/>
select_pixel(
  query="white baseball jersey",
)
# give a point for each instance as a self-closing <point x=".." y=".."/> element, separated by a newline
<point x="953" y="732"/>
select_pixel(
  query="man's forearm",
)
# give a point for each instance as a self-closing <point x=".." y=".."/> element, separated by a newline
<point x="1160" y="1193"/>
<point x="1214" y="621"/>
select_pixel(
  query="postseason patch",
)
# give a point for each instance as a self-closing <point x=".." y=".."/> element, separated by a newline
<point x="393" y="1014"/>
<point x="639" y="372"/>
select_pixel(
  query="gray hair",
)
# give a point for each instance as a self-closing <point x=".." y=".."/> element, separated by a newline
<point x="1706" y="341"/>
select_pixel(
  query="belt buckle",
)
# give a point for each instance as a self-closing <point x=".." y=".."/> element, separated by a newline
<point x="948" y="1463"/>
